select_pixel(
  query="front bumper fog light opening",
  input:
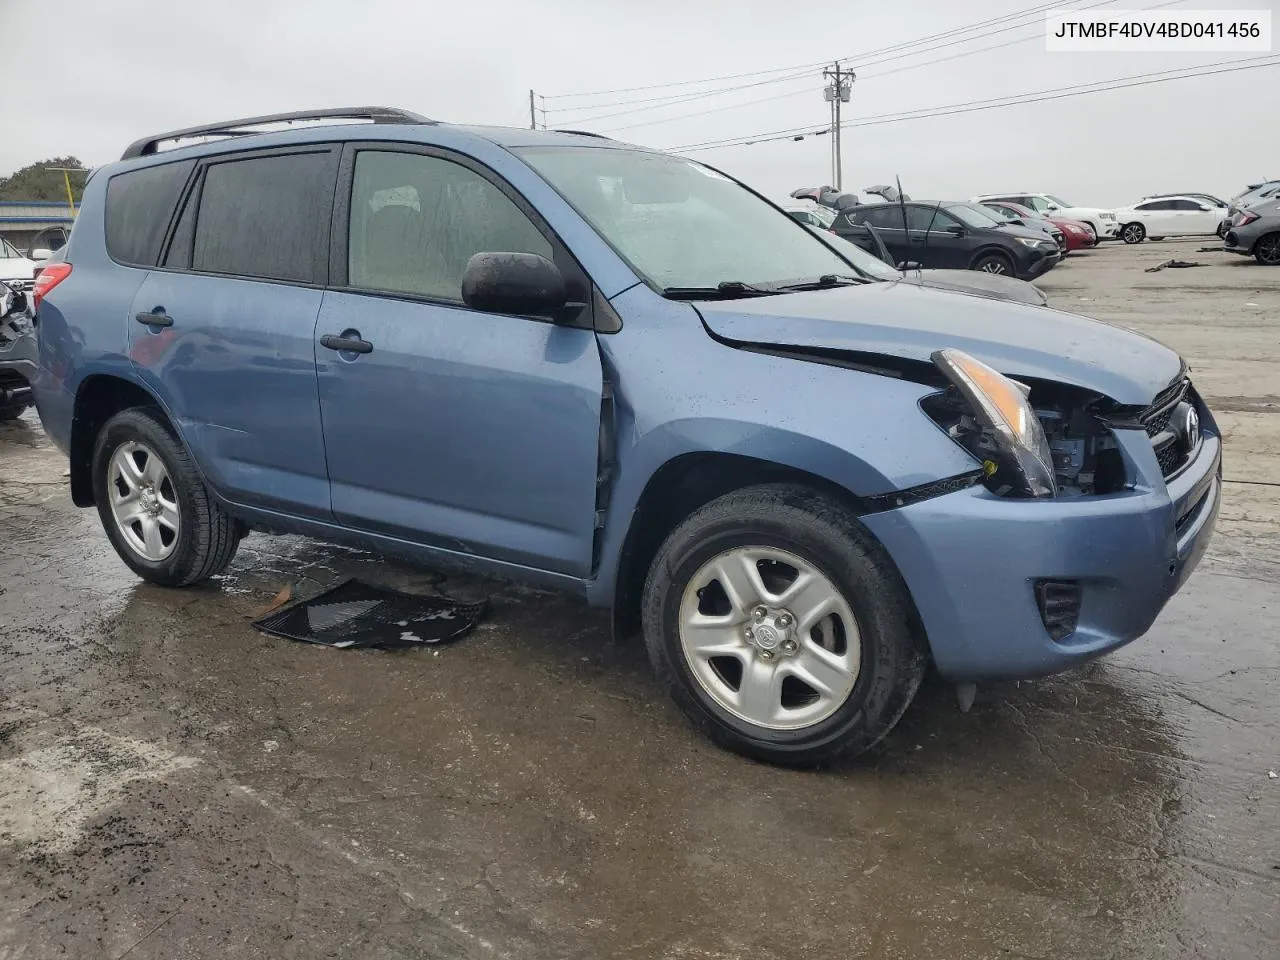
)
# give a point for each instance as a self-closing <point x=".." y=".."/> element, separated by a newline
<point x="1059" y="603"/>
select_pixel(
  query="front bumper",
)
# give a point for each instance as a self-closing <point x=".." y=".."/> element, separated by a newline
<point x="19" y="356"/>
<point x="972" y="561"/>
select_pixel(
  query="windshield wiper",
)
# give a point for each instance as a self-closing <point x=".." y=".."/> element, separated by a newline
<point x="824" y="282"/>
<point x="725" y="290"/>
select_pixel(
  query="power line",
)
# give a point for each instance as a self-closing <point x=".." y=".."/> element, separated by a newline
<point x="690" y="97"/>
<point x="1034" y="96"/>
<point x="658" y="103"/>
<point x="809" y="66"/>
<point x="807" y="91"/>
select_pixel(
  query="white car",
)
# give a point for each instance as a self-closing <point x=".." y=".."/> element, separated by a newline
<point x="809" y="213"/>
<point x="1104" y="222"/>
<point x="1176" y="216"/>
<point x="15" y="269"/>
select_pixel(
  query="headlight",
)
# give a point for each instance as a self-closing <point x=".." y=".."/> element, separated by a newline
<point x="1010" y="442"/>
<point x="1031" y="242"/>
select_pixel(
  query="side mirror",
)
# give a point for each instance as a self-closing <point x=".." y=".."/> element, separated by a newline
<point x="1053" y="206"/>
<point x="518" y="283"/>
<point x="955" y="230"/>
<point x="1018" y="222"/>
<point x="907" y="265"/>
<point x="41" y="254"/>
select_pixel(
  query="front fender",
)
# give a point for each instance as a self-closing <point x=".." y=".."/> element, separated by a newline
<point x="680" y="392"/>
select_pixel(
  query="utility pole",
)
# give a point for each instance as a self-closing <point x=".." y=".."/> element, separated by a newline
<point x="66" y="178"/>
<point x="533" y="113"/>
<point x="835" y="93"/>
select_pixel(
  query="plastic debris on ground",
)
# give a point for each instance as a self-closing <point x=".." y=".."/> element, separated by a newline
<point x="356" y="614"/>
<point x="1174" y="263"/>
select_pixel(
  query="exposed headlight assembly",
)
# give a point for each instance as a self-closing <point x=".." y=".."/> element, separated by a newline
<point x="1009" y="439"/>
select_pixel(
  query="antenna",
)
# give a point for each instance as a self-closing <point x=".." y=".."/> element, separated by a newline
<point x="902" y="205"/>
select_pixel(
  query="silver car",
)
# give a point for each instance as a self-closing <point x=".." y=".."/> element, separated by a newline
<point x="1255" y="232"/>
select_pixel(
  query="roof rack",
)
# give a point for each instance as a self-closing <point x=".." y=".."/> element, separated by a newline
<point x="584" y="133"/>
<point x="233" y="128"/>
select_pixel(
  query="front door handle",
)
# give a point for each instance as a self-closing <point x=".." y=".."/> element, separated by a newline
<point x="346" y="344"/>
<point x="156" y="318"/>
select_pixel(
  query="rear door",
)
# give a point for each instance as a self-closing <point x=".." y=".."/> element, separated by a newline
<point x="888" y="221"/>
<point x="1158" y="217"/>
<point x="223" y="330"/>
<point x="1194" y="217"/>
<point x="473" y="432"/>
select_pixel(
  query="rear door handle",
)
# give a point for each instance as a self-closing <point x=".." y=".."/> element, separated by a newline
<point x="157" y="318"/>
<point x="346" y="344"/>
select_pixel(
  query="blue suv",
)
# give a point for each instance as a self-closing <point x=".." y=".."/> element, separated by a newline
<point x="590" y="366"/>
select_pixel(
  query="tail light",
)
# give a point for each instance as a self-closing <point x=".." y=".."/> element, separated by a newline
<point x="48" y="277"/>
<point x="1247" y="216"/>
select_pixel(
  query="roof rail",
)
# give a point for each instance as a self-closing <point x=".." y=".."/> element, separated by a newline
<point x="584" y="133"/>
<point x="233" y="128"/>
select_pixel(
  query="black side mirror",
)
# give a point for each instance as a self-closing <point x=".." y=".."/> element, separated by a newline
<point x="1017" y="222"/>
<point x="955" y="230"/>
<point x="518" y="283"/>
<point x="907" y="265"/>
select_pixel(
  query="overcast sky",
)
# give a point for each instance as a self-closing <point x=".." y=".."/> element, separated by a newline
<point x="120" y="69"/>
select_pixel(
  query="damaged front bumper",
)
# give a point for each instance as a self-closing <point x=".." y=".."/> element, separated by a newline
<point x="1024" y="588"/>
<point x="19" y="362"/>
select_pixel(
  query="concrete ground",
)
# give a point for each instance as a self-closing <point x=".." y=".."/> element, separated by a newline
<point x="175" y="784"/>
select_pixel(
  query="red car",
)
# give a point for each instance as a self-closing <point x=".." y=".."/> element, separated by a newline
<point x="1079" y="235"/>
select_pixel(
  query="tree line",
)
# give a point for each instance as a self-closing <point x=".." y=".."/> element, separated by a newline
<point x="37" y="182"/>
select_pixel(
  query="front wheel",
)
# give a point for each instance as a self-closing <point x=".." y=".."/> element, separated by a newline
<point x="1267" y="250"/>
<point x="996" y="263"/>
<point x="781" y="628"/>
<point x="1133" y="233"/>
<point x="154" y="505"/>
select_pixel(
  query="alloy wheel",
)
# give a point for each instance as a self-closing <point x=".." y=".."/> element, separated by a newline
<point x="1268" y="249"/>
<point x="769" y="638"/>
<point x="143" y="500"/>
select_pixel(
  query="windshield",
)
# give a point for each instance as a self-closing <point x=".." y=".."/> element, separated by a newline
<point x="1058" y="201"/>
<point x="680" y="224"/>
<point x="864" y="262"/>
<point x="972" y="215"/>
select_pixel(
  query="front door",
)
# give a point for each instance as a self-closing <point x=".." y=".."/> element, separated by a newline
<point x="944" y="248"/>
<point x="224" y="329"/>
<point x="473" y="432"/>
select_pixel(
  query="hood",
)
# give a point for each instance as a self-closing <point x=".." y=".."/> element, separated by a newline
<point x="17" y="268"/>
<point x="1013" y="230"/>
<point x="910" y="322"/>
<point x="979" y="284"/>
<point x="1077" y="212"/>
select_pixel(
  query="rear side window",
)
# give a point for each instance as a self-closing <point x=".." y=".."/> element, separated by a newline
<point x="139" y="206"/>
<point x="266" y="217"/>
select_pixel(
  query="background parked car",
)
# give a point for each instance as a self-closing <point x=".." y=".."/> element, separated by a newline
<point x="1104" y="223"/>
<point x="1007" y="215"/>
<point x="1256" y="231"/>
<point x="950" y="235"/>
<point x="1170" y="217"/>
<point x="18" y="353"/>
<point x="972" y="282"/>
<point x="810" y="214"/>
<point x="1077" y="234"/>
<point x="15" y="269"/>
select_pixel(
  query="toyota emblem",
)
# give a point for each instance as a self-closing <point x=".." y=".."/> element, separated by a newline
<point x="1191" y="429"/>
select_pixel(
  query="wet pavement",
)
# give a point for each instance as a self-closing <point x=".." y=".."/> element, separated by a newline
<point x="174" y="783"/>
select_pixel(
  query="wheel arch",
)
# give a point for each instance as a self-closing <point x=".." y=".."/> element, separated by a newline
<point x="674" y="491"/>
<point x="996" y="249"/>
<point x="99" y="397"/>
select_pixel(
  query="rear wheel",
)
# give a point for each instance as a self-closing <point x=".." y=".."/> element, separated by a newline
<point x="1267" y="250"/>
<point x="1222" y="229"/>
<point x="1133" y="233"/>
<point x="154" y="505"/>
<point x="781" y="628"/>
<point x="996" y="263"/>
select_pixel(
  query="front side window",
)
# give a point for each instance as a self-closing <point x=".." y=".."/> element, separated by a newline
<point x="680" y="224"/>
<point x="1038" y="204"/>
<point x="1059" y="201"/>
<point x="970" y="216"/>
<point x="7" y="252"/>
<point x="265" y="217"/>
<point x="417" y="220"/>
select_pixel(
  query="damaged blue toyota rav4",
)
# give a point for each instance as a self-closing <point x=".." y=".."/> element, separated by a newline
<point x="590" y="366"/>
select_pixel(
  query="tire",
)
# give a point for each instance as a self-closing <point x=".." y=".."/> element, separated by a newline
<point x="11" y="413"/>
<point x="997" y="263"/>
<point x="823" y="537"/>
<point x="1133" y="233"/>
<point x="205" y="538"/>
<point x="1267" y="250"/>
<point x="1222" y="230"/>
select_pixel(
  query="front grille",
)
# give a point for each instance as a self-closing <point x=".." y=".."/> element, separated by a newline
<point x="1059" y="603"/>
<point x="22" y="286"/>
<point x="1172" y="447"/>
<point x="1156" y="417"/>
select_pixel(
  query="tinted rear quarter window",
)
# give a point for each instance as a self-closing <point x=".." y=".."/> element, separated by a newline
<point x="266" y="217"/>
<point x="139" y="206"/>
